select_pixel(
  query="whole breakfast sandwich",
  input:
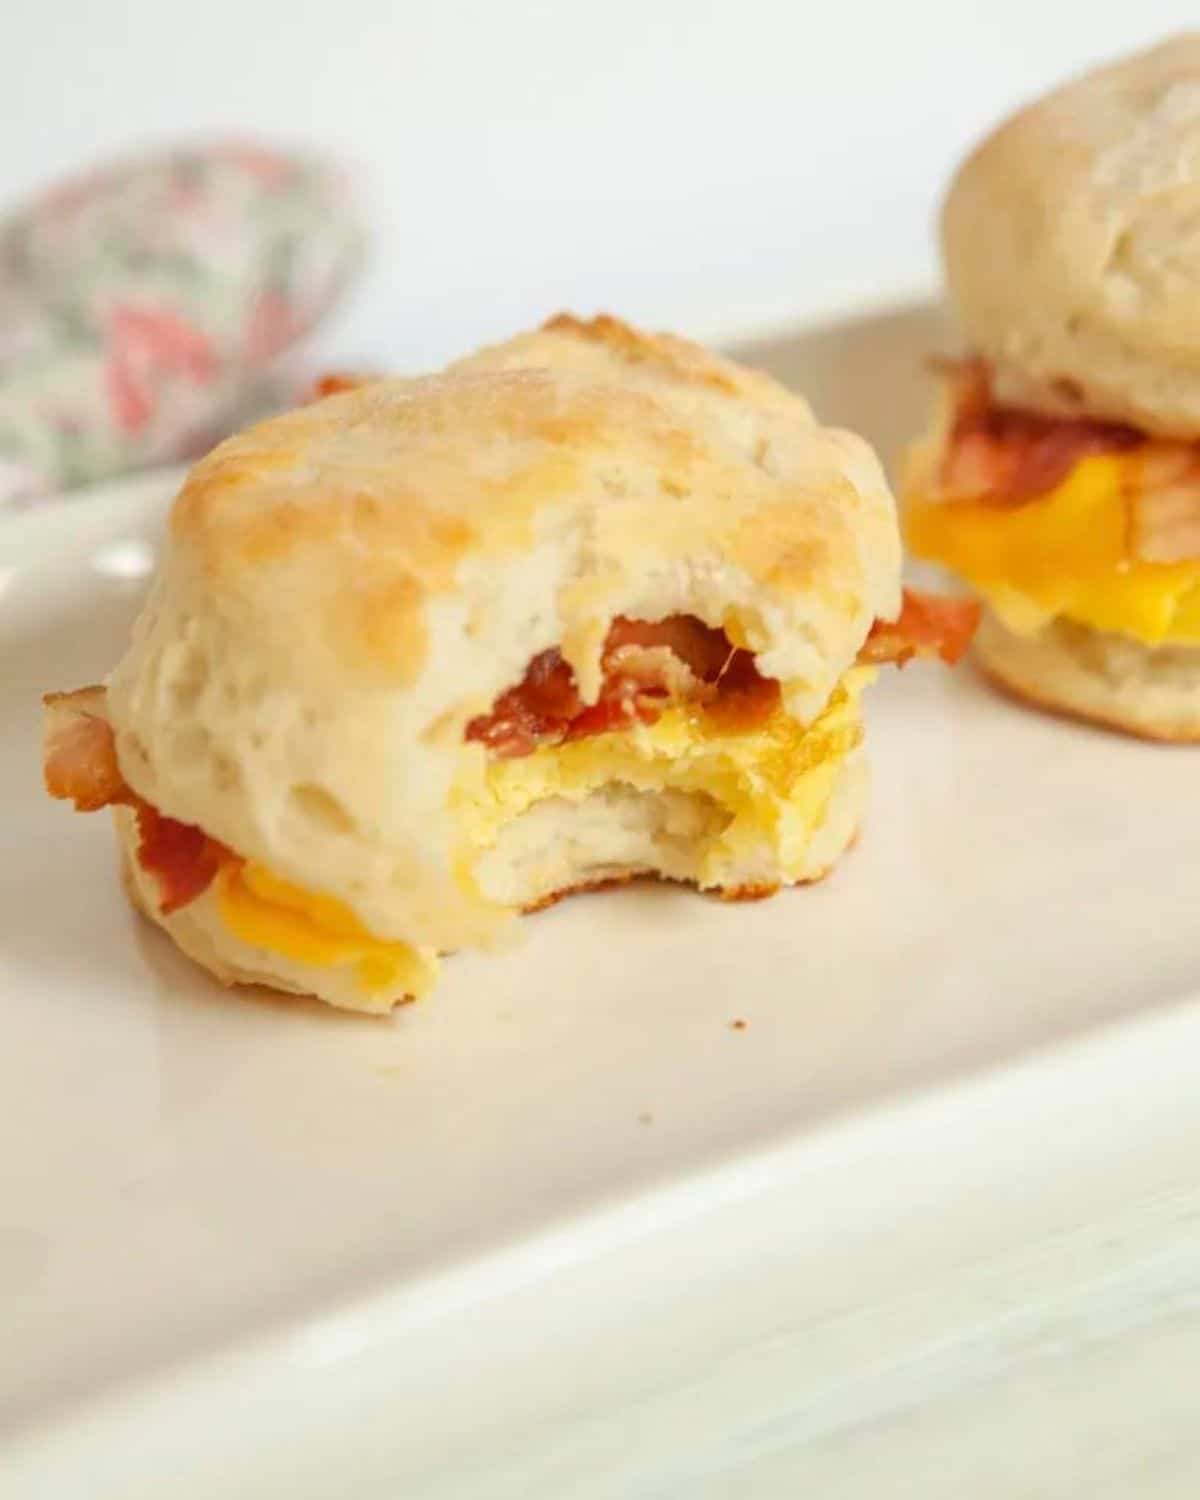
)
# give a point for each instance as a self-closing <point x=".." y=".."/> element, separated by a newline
<point x="429" y="653"/>
<point x="1062" y="478"/>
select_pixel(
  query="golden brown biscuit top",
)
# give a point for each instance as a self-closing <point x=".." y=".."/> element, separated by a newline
<point x="363" y="507"/>
<point x="604" y="345"/>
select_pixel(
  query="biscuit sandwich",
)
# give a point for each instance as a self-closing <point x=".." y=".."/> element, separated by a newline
<point x="1062" y="476"/>
<point x="429" y="653"/>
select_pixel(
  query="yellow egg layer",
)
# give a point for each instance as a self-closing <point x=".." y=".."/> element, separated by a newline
<point x="774" y="779"/>
<point x="1065" y="553"/>
<point x="311" y="928"/>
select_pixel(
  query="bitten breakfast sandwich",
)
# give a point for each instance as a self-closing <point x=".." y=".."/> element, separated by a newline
<point x="429" y="653"/>
<point x="1063" y="477"/>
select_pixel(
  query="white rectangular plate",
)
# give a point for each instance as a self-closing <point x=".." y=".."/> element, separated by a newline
<point x="187" y="1169"/>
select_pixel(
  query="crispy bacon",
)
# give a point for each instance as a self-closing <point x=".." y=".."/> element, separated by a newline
<point x="80" y="766"/>
<point x="651" y="664"/>
<point x="647" y="665"/>
<point x="928" y="625"/>
<point x="181" y="857"/>
<point x="1007" y="454"/>
<point x="334" y="384"/>
<point x="79" y="760"/>
<point x="744" y="698"/>
<point x="545" y="708"/>
<point x="704" y="651"/>
<point x="1165" y="505"/>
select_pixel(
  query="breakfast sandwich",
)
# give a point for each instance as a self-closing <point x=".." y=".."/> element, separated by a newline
<point x="1062" y="477"/>
<point x="429" y="653"/>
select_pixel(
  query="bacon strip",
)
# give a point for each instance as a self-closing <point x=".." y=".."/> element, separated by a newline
<point x="1006" y="454"/>
<point x="702" y="649"/>
<point x="79" y="760"/>
<point x="648" y="664"/>
<point x="181" y="857"/>
<point x="1165" y="505"/>
<point x="651" y="664"/>
<point x="1166" y="524"/>
<point x="545" y="708"/>
<point x="80" y="766"/>
<point x="928" y="625"/>
<point x="334" y="384"/>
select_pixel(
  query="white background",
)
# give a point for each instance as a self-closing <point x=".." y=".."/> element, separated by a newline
<point x="680" y="162"/>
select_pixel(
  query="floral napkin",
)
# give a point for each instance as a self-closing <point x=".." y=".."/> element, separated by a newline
<point x="144" y="306"/>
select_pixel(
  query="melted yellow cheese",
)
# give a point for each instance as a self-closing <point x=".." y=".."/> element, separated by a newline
<point x="774" y="779"/>
<point x="310" y="928"/>
<point x="1065" y="553"/>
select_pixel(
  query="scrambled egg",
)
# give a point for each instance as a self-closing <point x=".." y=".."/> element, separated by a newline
<point x="774" y="780"/>
<point x="1065" y="553"/>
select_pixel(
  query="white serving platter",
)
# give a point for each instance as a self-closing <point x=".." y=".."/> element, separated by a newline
<point x="926" y="1220"/>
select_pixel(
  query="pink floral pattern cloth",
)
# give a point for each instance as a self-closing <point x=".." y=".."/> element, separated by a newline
<point x="143" y="306"/>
